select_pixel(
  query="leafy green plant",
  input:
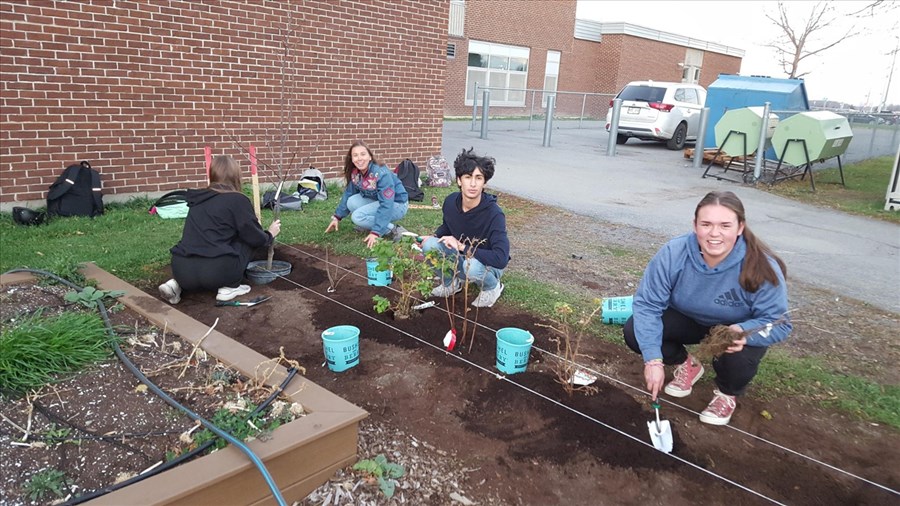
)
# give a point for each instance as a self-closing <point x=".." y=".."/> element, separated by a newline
<point x="48" y="481"/>
<point x="382" y="471"/>
<point x="89" y="296"/>
<point x="38" y="348"/>
<point x="411" y="274"/>
<point x="233" y="419"/>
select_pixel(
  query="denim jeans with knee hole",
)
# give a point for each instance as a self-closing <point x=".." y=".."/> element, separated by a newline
<point x="363" y="210"/>
<point x="471" y="270"/>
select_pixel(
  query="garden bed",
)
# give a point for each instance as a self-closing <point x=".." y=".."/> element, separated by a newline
<point x="122" y="430"/>
<point x="522" y="439"/>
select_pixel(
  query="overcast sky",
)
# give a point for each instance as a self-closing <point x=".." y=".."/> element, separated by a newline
<point x="855" y="71"/>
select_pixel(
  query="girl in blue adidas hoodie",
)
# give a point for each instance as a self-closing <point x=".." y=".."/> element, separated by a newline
<point x="374" y="197"/>
<point x="720" y="274"/>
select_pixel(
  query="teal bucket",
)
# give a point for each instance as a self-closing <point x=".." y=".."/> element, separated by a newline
<point x="341" y="347"/>
<point x="513" y="348"/>
<point x="617" y="310"/>
<point x="376" y="277"/>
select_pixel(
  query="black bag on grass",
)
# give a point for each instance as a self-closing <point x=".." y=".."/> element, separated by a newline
<point x="408" y="173"/>
<point x="77" y="192"/>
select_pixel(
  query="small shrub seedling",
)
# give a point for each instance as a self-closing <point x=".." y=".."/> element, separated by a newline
<point x="570" y="328"/>
<point x="411" y="274"/>
<point x="382" y="471"/>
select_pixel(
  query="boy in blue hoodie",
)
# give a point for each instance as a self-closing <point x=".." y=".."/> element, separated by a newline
<point x="472" y="222"/>
<point x="720" y="274"/>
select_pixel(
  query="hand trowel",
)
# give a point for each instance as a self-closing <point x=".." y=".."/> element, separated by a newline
<point x="660" y="432"/>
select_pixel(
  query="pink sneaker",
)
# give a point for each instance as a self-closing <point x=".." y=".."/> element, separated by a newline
<point x="719" y="410"/>
<point x="686" y="375"/>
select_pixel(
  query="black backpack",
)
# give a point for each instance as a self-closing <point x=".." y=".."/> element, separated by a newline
<point x="408" y="173"/>
<point x="77" y="192"/>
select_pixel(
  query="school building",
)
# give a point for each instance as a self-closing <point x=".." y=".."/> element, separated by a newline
<point x="140" y="89"/>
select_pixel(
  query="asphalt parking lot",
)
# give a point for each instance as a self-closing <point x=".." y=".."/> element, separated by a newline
<point x="655" y="189"/>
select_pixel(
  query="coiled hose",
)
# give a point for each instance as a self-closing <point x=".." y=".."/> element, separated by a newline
<point x="172" y="402"/>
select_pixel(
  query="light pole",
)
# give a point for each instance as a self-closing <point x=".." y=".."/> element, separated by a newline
<point x="890" y="76"/>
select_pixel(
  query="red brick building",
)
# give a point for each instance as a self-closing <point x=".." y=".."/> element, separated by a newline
<point x="538" y="44"/>
<point x="139" y="88"/>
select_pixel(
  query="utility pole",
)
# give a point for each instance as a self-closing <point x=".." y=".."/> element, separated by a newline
<point x="890" y="76"/>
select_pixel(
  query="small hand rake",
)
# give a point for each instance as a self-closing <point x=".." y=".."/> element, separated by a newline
<point x="660" y="432"/>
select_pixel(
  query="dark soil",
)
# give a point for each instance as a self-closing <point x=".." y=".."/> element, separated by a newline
<point x="530" y="443"/>
<point x="101" y="426"/>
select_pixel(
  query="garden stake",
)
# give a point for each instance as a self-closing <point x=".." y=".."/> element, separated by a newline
<point x="660" y="432"/>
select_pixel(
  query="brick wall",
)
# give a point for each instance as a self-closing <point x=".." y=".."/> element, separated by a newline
<point x="139" y="88"/>
<point x="536" y="24"/>
<point x="585" y="66"/>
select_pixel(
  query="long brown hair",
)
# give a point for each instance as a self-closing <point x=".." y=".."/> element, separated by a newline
<point x="348" y="159"/>
<point x="224" y="174"/>
<point x="756" y="268"/>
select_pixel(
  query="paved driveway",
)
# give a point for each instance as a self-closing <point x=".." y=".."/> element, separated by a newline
<point x="650" y="187"/>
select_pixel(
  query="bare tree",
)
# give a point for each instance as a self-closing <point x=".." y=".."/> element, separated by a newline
<point x="817" y="32"/>
<point x="796" y="44"/>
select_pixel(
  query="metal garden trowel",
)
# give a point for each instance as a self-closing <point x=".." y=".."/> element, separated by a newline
<point x="660" y="432"/>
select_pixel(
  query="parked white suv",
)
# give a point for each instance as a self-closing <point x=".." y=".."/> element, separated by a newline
<point x="659" y="111"/>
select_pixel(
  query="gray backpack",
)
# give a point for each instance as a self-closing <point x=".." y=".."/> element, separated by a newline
<point x="312" y="185"/>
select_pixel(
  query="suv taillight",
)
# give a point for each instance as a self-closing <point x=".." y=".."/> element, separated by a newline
<point x="611" y="102"/>
<point x="659" y="106"/>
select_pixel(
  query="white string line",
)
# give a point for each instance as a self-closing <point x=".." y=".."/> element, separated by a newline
<point x="639" y="390"/>
<point x="538" y="394"/>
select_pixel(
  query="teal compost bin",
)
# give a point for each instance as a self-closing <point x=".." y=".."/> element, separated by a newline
<point x="734" y="92"/>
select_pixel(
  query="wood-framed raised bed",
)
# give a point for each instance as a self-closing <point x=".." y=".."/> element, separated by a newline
<point x="300" y="455"/>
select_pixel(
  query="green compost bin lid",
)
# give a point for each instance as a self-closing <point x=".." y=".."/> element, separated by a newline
<point x="826" y="134"/>
<point x="742" y="122"/>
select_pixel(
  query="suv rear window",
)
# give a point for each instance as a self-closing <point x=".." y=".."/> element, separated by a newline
<point x="643" y="93"/>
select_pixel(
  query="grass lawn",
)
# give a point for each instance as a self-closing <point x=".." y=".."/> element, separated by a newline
<point x="134" y="245"/>
<point x="867" y="184"/>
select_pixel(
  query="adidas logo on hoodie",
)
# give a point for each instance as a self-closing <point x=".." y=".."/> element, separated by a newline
<point x="729" y="298"/>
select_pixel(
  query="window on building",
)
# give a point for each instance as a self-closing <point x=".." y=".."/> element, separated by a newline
<point x="498" y="66"/>
<point x="693" y="62"/>
<point x="457" y="18"/>
<point x="451" y="50"/>
<point x="551" y="76"/>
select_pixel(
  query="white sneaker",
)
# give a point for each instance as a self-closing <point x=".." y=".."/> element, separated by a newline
<point x="226" y="293"/>
<point x="170" y="291"/>
<point x="487" y="298"/>
<point x="447" y="290"/>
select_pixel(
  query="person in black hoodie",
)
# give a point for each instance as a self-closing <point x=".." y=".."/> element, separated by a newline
<point x="473" y="233"/>
<point x="220" y="234"/>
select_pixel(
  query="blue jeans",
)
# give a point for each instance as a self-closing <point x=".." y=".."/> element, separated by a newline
<point x="471" y="270"/>
<point x="363" y="210"/>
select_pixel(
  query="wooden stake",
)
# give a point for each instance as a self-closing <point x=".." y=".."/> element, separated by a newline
<point x="255" y="178"/>
<point x="207" y="152"/>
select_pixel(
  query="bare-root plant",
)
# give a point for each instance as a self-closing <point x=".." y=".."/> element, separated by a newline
<point x="449" y="268"/>
<point x="569" y="328"/>
<point x="333" y="278"/>
<point x="721" y="337"/>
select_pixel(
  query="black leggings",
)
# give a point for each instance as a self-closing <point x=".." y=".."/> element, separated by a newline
<point x="733" y="370"/>
<point x="200" y="273"/>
